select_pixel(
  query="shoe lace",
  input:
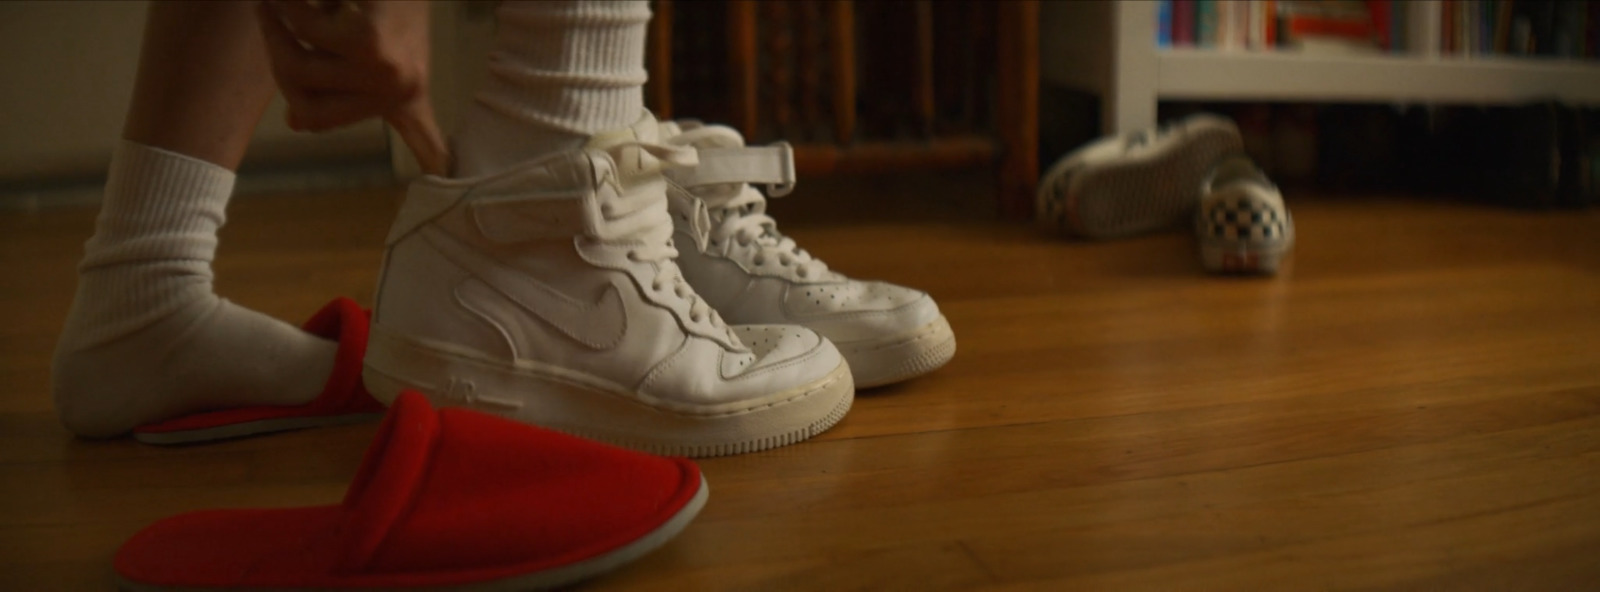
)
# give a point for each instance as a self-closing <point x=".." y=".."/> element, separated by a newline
<point x="738" y="213"/>
<point x="649" y="236"/>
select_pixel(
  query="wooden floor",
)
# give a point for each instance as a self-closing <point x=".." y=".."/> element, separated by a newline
<point x="1416" y="404"/>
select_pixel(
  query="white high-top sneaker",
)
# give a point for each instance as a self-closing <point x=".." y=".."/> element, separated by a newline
<point x="548" y="294"/>
<point x="737" y="260"/>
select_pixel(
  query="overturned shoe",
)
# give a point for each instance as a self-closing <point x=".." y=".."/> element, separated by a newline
<point x="1134" y="183"/>
<point x="549" y="294"/>
<point x="1242" y="225"/>
<point x="733" y="254"/>
<point x="446" y="499"/>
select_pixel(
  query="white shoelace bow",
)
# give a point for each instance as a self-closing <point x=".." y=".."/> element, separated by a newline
<point x="650" y="226"/>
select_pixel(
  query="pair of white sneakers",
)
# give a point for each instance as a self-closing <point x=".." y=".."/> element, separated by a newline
<point x="634" y="291"/>
<point x="1194" y="169"/>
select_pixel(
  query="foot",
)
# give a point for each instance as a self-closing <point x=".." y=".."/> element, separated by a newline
<point x="735" y="257"/>
<point x="1242" y="224"/>
<point x="206" y="355"/>
<point x="548" y="293"/>
<point x="147" y="339"/>
<point x="1135" y="183"/>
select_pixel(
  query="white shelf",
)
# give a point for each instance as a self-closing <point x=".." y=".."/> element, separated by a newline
<point x="1109" y="48"/>
<point x="1204" y="74"/>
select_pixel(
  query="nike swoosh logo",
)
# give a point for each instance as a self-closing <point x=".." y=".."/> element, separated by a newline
<point x="597" y="324"/>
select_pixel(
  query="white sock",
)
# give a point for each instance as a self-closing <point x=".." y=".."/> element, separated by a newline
<point x="559" y="72"/>
<point x="147" y="339"/>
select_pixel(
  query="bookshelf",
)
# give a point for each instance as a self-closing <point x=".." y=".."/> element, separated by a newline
<point x="1109" y="48"/>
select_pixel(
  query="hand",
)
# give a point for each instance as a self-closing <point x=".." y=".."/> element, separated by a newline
<point x="341" y="61"/>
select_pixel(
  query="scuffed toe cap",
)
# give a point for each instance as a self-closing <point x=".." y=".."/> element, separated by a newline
<point x="856" y="310"/>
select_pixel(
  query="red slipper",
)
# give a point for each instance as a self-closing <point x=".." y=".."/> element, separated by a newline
<point x="444" y="499"/>
<point x="343" y="400"/>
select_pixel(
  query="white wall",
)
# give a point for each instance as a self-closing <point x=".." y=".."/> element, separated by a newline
<point x="68" y="71"/>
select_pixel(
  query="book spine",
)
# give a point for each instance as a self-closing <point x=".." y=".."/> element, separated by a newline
<point x="1591" y="40"/>
<point x="1225" y="23"/>
<point x="1205" y="16"/>
<point x="1378" y="11"/>
<point x="1164" y="24"/>
<point x="1257" y="25"/>
<point x="1544" y="16"/>
<point x="1183" y="23"/>
<point x="1271" y="34"/>
<point x="1502" y="26"/>
<point x="1569" y="29"/>
<point x="1447" y="27"/>
<point x="1399" y="21"/>
<point x="1486" y="14"/>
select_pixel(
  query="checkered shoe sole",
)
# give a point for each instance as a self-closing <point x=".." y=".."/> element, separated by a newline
<point x="1137" y="194"/>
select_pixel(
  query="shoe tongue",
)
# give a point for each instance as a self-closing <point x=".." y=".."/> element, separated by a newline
<point x="390" y="473"/>
<point x="711" y="136"/>
<point x="644" y="131"/>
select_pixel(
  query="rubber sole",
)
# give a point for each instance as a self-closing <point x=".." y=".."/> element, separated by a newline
<point x="1136" y="195"/>
<point x="894" y="359"/>
<point x="553" y="578"/>
<point x="1242" y="260"/>
<point x="251" y="428"/>
<point x="584" y="406"/>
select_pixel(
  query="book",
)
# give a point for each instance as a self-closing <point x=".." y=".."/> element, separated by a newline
<point x="1225" y="10"/>
<point x="1502" y="27"/>
<point x="1205" y="16"/>
<point x="1399" y="28"/>
<point x="1183" y="23"/>
<point x="1447" y="27"/>
<point x="1486" y="14"/>
<point x="1257" y="25"/>
<point x="1233" y="24"/>
<point x="1164" y="24"/>
<point x="1270" y="8"/>
<point x="1568" y="29"/>
<point x="1328" y="27"/>
<point x="1379" y="10"/>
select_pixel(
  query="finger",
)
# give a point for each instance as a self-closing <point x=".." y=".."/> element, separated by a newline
<point x="420" y="131"/>
<point x="299" y="69"/>
<point x="319" y="113"/>
<point x="341" y="30"/>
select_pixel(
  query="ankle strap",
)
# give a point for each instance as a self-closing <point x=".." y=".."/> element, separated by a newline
<point x="771" y="165"/>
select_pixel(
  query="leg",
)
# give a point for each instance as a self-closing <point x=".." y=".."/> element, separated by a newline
<point x="202" y="64"/>
<point x="147" y="339"/>
<point x="559" y="72"/>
